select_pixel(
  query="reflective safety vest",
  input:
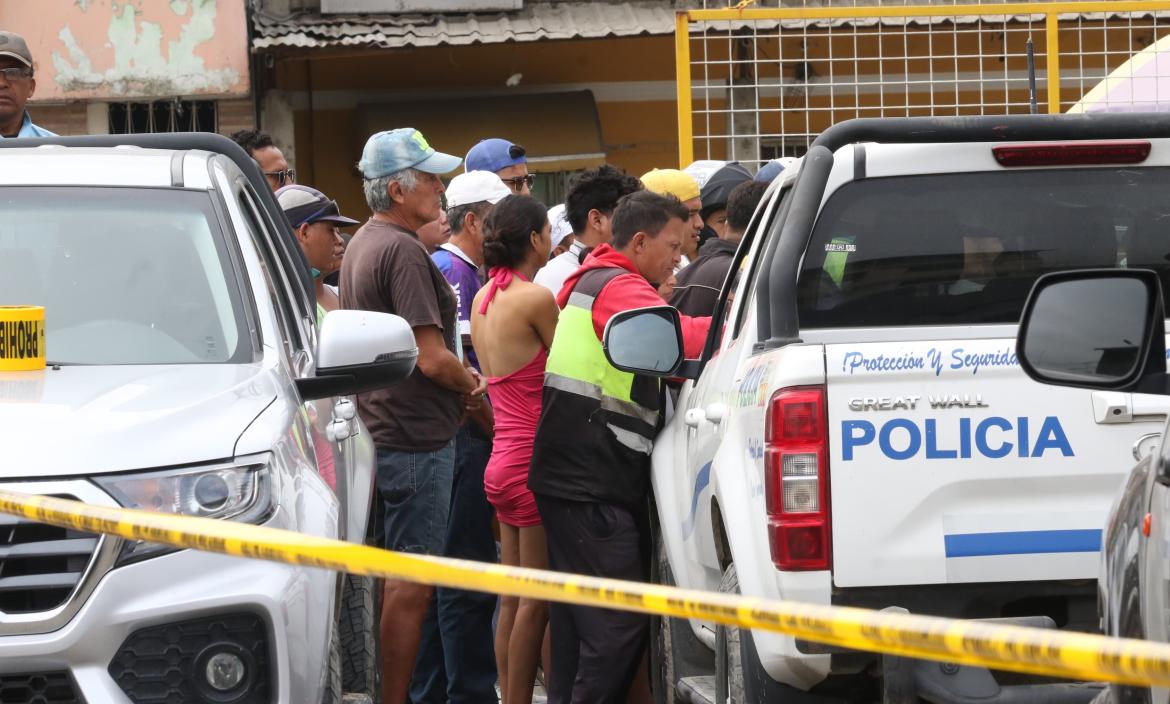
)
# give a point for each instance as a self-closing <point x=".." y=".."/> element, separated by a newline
<point x="597" y="423"/>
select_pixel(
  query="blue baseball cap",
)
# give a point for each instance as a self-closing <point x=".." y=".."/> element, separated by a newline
<point x="769" y="171"/>
<point x="389" y="152"/>
<point x="494" y="155"/>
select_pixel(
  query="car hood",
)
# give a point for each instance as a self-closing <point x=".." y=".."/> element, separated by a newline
<point x="78" y="420"/>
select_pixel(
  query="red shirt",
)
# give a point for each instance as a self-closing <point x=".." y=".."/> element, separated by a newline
<point x="627" y="292"/>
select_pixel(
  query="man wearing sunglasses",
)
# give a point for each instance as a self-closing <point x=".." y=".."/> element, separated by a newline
<point x="17" y="85"/>
<point x="268" y="156"/>
<point x="505" y="160"/>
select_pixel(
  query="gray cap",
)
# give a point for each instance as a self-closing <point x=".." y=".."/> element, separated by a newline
<point x="14" y="45"/>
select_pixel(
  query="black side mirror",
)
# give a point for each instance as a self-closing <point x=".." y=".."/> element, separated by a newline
<point x="1096" y="329"/>
<point x="645" y="341"/>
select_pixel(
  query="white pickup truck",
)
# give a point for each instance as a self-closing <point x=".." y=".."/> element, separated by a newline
<point x="859" y="431"/>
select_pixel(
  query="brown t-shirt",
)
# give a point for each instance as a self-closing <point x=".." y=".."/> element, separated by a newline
<point x="386" y="269"/>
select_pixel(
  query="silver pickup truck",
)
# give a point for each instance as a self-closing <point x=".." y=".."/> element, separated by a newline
<point x="185" y="374"/>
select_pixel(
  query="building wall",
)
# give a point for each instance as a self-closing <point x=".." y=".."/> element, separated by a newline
<point x="632" y="80"/>
<point x="90" y="117"/>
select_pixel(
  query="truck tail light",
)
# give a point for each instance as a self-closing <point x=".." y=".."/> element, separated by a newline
<point x="1072" y="153"/>
<point x="796" y="479"/>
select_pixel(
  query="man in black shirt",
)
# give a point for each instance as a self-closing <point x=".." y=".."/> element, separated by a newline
<point x="699" y="284"/>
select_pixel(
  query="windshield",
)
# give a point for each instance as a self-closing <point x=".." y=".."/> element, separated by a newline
<point x="966" y="248"/>
<point x="126" y="275"/>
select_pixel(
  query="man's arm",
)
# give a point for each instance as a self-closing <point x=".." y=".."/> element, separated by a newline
<point x="630" y="291"/>
<point x="438" y="364"/>
<point x="479" y="408"/>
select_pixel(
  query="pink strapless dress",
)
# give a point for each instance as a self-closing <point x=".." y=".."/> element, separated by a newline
<point x="516" y="401"/>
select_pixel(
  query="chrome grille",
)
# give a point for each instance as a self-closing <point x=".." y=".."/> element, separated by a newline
<point x="40" y="566"/>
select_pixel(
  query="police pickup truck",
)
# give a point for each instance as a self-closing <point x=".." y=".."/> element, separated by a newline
<point x="859" y="431"/>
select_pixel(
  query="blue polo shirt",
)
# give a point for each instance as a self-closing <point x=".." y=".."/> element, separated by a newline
<point x="28" y="129"/>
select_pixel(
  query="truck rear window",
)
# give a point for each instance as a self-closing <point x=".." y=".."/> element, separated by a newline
<point x="966" y="248"/>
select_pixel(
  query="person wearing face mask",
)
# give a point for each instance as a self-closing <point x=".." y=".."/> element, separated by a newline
<point x="714" y="195"/>
<point x="698" y="287"/>
<point x="590" y="470"/>
<point x="315" y="219"/>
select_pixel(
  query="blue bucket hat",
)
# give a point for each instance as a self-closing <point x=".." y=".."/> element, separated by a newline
<point x="389" y="152"/>
<point x="494" y="155"/>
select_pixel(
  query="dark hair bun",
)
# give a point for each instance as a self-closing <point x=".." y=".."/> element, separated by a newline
<point x="509" y="226"/>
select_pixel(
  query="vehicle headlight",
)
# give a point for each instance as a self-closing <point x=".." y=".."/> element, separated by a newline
<point x="239" y="492"/>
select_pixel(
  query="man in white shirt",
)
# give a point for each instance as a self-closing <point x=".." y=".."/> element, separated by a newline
<point x="592" y="197"/>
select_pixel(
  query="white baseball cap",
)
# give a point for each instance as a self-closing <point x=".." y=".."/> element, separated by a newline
<point x="704" y="169"/>
<point x="476" y="187"/>
<point x="560" y="224"/>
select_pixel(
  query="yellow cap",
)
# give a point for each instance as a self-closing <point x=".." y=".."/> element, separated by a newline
<point x="677" y="183"/>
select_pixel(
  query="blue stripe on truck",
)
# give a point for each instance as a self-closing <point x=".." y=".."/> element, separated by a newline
<point x="702" y="479"/>
<point x="1026" y="542"/>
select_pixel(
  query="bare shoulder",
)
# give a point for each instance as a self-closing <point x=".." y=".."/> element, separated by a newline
<point x="538" y="299"/>
<point x="478" y="297"/>
<point x="535" y="293"/>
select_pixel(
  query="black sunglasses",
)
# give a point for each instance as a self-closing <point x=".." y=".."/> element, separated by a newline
<point x="517" y="182"/>
<point x="283" y="177"/>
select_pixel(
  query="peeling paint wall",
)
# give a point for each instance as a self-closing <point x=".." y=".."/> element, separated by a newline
<point x="127" y="49"/>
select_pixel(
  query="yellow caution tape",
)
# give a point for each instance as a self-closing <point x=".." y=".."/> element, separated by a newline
<point x="22" y="338"/>
<point x="1076" y="656"/>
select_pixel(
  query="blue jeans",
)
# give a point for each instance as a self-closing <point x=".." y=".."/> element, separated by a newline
<point x="416" y="497"/>
<point x="456" y="659"/>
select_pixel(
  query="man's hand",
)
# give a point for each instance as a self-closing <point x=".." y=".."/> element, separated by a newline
<point x="474" y="400"/>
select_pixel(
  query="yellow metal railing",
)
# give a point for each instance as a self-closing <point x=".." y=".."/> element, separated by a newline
<point x="777" y="24"/>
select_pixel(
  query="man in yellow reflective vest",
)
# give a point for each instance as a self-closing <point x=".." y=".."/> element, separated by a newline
<point x="591" y="462"/>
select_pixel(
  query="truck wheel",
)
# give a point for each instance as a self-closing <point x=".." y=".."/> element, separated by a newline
<point x="675" y="653"/>
<point x="662" y="676"/>
<point x="333" y="689"/>
<point x="358" y="629"/>
<point x="739" y="677"/>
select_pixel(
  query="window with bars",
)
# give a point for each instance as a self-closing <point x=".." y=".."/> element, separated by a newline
<point x="164" y="116"/>
<point x="776" y="148"/>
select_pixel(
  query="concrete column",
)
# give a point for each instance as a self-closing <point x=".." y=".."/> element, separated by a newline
<point x="745" y="125"/>
<point x="744" y="143"/>
<point x="97" y="118"/>
<point x="276" y="118"/>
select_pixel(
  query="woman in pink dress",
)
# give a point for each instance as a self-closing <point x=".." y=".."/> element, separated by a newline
<point x="512" y="326"/>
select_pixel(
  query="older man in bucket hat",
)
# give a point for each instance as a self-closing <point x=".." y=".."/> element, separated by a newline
<point x="413" y="425"/>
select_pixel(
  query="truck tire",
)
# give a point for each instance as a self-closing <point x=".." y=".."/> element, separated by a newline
<point x="333" y="689"/>
<point x="675" y="652"/>
<point x="729" y="665"/>
<point x="358" y="637"/>
<point x="739" y="677"/>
